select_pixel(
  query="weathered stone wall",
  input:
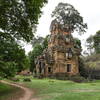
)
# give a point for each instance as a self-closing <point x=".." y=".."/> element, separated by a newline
<point x="60" y="56"/>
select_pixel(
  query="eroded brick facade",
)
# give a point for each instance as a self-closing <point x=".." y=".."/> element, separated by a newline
<point x="61" y="56"/>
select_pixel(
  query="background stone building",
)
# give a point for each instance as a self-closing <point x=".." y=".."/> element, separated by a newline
<point x="61" y="57"/>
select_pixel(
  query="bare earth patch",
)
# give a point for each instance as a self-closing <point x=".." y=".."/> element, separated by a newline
<point x="85" y="90"/>
<point x="27" y="92"/>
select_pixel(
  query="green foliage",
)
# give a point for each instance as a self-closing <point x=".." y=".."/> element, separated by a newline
<point x="77" y="43"/>
<point x="40" y="40"/>
<point x="19" y="18"/>
<point x="97" y="42"/>
<point x="37" y="40"/>
<point x="39" y="44"/>
<point x="27" y="80"/>
<point x="93" y="43"/>
<point x="45" y="42"/>
<point x="78" y="79"/>
<point x="18" y="21"/>
<point x="12" y="57"/>
<point x="90" y="43"/>
<point x="69" y="18"/>
<point x="21" y="78"/>
<point x="92" y="66"/>
<point x="37" y="50"/>
<point x="82" y="67"/>
<point x="93" y="61"/>
<point x="8" y="69"/>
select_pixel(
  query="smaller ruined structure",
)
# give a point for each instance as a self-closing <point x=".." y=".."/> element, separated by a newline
<point x="61" y="57"/>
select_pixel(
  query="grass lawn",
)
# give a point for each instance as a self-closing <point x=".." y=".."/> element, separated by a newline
<point x="9" y="92"/>
<point x="48" y="89"/>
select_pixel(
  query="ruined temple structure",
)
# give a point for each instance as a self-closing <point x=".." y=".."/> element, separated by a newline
<point x="61" y="57"/>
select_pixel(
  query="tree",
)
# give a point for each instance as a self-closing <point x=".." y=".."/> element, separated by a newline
<point x="19" y="18"/>
<point x="37" y="51"/>
<point x="93" y="43"/>
<point x="18" y="21"/>
<point x="69" y="18"/>
<point x="12" y="57"/>
<point x="77" y="43"/>
<point x="7" y="69"/>
<point x="37" y="40"/>
<point x="45" y="42"/>
<point x="90" y="43"/>
<point x="38" y="48"/>
<point x="96" y="39"/>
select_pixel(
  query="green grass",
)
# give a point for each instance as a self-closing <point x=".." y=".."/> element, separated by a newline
<point x="48" y="89"/>
<point x="8" y="92"/>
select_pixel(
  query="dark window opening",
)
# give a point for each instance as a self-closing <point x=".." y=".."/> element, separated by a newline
<point x="40" y="69"/>
<point x="68" y="67"/>
<point x="49" y="69"/>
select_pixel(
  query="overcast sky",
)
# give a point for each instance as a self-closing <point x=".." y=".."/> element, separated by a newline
<point x="89" y="10"/>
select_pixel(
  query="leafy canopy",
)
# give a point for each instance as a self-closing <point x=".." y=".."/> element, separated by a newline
<point x="93" y="43"/>
<point x="97" y="42"/>
<point x="18" y="18"/>
<point x="39" y="44"/>
<point x="69" y="18"/>
<point x="12" y="57"/>
<point x="18" y="21"/>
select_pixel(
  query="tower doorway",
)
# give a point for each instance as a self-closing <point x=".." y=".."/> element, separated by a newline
<point x="68" y="67"/>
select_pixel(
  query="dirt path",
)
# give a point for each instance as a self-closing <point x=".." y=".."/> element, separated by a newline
<point x="27" y="92"/>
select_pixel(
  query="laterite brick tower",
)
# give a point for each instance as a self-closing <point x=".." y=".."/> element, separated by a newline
<point x="61" y="57"/>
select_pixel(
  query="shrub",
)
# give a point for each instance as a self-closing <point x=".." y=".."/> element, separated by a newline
<point x="14" y="79"/>
<point x="27" y="80"/>
<point x="82" y="68"/>
<point x="0" y="78"/>
<point x="78" y="79"/>
<point x="8" y="69"/>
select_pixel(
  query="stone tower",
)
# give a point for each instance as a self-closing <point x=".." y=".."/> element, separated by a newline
<point x="61" y="57"/>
